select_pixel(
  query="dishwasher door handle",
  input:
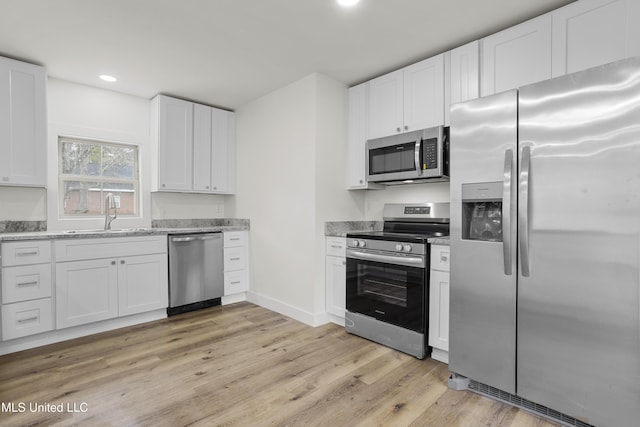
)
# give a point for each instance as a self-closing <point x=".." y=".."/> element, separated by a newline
<point x="194" y="238"/>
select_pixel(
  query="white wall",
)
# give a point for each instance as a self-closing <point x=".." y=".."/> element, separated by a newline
<point x="23" y="204"/>
<point x="88" y="112"/>
<point x="291" y="149"/>
<point x="82" y="111"/>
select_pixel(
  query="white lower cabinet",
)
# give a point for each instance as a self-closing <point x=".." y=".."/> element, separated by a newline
<point x="335" y="278"/>
<point x="439" y="303"/>
<point x="26" y="318"/>
<point x="100" y="279"/>
<point x="236" y="261"/>
<point x="86" y="291"/>
<point x="142" y="284"/>
<point x="26" y="288"/>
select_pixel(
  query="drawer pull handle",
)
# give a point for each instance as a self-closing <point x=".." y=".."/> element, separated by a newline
<point x="28" y="319"/>
<point x="236" y="282"/>
<point x="336" y="246"/>
<point x="235" y="239"/>
<point x="35" y="282"/>
<point x="234" y="259"/>
<point x="27" y="253"/>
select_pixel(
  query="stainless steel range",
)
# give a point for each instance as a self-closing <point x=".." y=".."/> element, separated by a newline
<point x="388" y="277"/>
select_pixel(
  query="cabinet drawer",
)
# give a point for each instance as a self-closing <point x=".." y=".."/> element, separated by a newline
<point x="440" y="258"/>
<point x="336" y="246"/>
<point x="26" y="252"/>
<point x="235" y="282"/>
<point x="109" y="247"/>
<point x="26" y="318"/>
<point x="235" y="259"/>
<point x="28" y="282"/>
<point x="235" y="238"/>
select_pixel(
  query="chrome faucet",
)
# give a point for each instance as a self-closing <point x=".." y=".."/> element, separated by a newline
<point x="110" y="203"/>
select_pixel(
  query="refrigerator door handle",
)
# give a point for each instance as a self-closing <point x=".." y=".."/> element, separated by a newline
<point x="506" y="212"/>
<point x="523" y="210"/>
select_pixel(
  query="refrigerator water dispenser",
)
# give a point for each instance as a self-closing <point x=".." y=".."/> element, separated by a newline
<point x="482" y="211"/>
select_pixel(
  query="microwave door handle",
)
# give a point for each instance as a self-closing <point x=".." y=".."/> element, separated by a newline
<point x="506" y="212"/>
<point x="417" y="156"/>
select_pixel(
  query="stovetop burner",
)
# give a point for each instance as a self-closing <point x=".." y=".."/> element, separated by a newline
<point x="410" y="223"/>
<point x="398" y="237"/>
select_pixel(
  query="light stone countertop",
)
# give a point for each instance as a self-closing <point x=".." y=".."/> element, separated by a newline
<point x="444" y="241"/>
<point x="341" y="228"/>
<point x="164" y="227"/>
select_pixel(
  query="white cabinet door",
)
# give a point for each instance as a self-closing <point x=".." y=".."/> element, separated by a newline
<point x="589" y="33"/>
<point x="86" y="291"/>
<point x="202" y="148"/>
<point x="23" y="123"/>
<point x="222" y="151"/>
<point x="336" y="293"/>
<point x="464" y="75"/>
<point x="439" y="310"/>
<point x="517" y="56"/>
<point x="357" y="139"/>
<point x="424" y="94"/>
<point x="142" y="284"/>
<point x="386" y="95"/>
<point x="175" y="144"/>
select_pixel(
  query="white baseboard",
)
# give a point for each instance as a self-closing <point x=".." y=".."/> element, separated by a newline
<point x="303" y="316"/>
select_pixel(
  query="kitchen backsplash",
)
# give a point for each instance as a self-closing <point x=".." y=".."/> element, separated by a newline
<point x="22" y="226"/>
<point x="197" y="223"/>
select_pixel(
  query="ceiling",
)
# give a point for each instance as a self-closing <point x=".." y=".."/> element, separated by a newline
<point x="228" y="52"/>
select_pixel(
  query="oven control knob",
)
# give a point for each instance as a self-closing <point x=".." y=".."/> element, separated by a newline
<point x="398" y="247"/>
<point x="354" y="243"/>
<point x="362" y="243"/>
<point x="407" y="248"/>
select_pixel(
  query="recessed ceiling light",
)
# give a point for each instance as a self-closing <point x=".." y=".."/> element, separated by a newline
<point x="347" y="3"/>
<point x="108" y="78"/>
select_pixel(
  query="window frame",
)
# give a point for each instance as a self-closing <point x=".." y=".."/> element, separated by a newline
<point x="62" y="178"/>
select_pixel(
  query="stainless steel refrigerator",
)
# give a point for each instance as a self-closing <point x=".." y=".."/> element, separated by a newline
<point x="545" y="245"/>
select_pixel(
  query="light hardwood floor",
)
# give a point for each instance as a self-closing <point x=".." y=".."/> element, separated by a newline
<point x="238" y="365"/>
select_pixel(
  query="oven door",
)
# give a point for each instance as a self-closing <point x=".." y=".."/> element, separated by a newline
<point x="389" y="287"/>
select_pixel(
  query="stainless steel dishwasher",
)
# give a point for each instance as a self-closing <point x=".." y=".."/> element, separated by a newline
<point x="196" y="273"/>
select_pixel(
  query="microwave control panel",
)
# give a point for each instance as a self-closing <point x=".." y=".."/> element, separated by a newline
<point x="429" y="154"/>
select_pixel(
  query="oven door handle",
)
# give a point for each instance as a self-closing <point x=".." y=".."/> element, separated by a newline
<point x="407" y="261"/>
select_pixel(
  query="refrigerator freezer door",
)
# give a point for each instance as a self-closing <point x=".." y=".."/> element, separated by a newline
<point x="482" y="325"/>
<point x="578" y="322"/>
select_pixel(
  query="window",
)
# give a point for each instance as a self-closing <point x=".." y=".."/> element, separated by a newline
<point x="89" y="170"/>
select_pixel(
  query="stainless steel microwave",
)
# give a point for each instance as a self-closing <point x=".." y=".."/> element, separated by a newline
<point x="417" y="155"/>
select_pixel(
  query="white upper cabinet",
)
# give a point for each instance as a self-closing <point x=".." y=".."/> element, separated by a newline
<point x="195" y="147"/>
<point x="174" y="130"/>
<point x="463" y="75"/>
<point x="408" y="99"/>
<point x="424" y="94"/>
<point x="201" y="148"/>
<point x="589" y="33"/>
<point x="357" y="139"/>
<point x="223" y="151"/>
<point x="517" y="56"/>
<point x="23" y="123"/>
<point x="385" y="105"/>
